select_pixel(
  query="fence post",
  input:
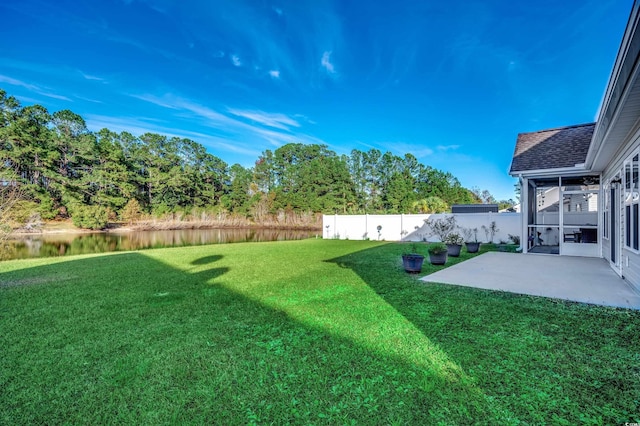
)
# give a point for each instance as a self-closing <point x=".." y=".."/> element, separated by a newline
<point x="366" y="226"/>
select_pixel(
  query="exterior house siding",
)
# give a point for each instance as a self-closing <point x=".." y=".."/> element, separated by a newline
<point x="610" y="147"/>
<point x="629" y="259"/>
<point x="631" y="273"/>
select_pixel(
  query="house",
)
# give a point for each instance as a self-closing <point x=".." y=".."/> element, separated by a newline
<point x="579" y="184"/>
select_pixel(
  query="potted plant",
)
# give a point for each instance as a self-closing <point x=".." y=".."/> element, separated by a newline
<point x="437" y="253"/>
<point x="454" y="244"/>
<point x="471" y="239"/>
<point x="412" y="261"/>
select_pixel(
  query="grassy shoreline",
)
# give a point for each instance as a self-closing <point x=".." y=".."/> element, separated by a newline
<point x="302" y="332"/>
<point x="59" y="227"/>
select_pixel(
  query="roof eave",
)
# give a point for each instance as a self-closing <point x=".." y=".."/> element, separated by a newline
<point x="578" y="169"/>
<point x="610" y="108"/>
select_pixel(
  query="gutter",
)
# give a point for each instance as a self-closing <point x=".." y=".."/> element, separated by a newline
<point x="566" y="171"/>
<point x="617" y="85"/>
<point x="522" y="239"/>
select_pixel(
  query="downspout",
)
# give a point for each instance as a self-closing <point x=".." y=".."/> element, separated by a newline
<point x="522" y="214"/>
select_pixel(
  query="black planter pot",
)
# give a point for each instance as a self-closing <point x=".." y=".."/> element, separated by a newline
<point x="412" y="262"/>
<point x="453" y="250"/>
<point x="438" y="258"/>
<point x="472" y="247"/>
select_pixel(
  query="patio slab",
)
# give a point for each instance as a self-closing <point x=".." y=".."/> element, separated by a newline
<point x="578" y="279"/>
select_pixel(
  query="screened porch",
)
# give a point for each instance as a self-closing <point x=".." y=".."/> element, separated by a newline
<point x="563" y="215"/>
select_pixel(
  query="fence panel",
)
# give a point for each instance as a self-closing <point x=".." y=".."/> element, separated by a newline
<point x="412" y="227"/>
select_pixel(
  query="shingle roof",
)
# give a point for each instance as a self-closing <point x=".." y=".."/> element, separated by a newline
<point x="552" y="148"/>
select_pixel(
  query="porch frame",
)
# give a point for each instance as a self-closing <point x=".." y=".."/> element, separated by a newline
<point x="570" y="238"/>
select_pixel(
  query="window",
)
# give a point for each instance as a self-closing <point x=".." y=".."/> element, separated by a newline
<point x="634" y="226"/>
<point x="632" y="203"/>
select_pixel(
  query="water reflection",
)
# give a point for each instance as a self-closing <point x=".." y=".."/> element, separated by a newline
<point x="69" y="244"/>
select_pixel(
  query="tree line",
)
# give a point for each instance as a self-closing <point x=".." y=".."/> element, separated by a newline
<point x="64" y="170"/>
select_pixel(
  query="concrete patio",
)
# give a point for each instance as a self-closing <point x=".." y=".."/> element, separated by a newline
<point x="578" y="279"/>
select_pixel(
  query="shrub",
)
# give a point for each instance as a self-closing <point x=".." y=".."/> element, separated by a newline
<point x="437" y="248"/>
<point x="453" y="238"/>
<point x="413" y="249"/>
<point x="441" y="227"/>
<point x="47" y="209"/>
<point x="22" y="210"/>
<point x="131" y="211"/>
<point x="90" y="217"/>
<point x="490" y="231"/>
<point x="160" y="210"/>
<point x="470" y="235"/>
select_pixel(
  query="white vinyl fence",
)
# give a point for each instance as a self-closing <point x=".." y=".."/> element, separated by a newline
<point x="412" y="227"/>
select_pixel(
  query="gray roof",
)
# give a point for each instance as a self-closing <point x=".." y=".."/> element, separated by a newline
<point x="552" y="148"/>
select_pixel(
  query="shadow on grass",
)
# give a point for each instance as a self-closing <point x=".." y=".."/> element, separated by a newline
<point x="207" y="259"/>
<point x="128" y="338"/>
<point x="125" y="338"/>
<point x="539" y="360"/>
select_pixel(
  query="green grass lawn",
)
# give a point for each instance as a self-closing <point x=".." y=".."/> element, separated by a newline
<point x="299" y="332"/>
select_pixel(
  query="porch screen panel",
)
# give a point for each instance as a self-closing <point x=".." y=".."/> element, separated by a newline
<point x="543" y="216"/>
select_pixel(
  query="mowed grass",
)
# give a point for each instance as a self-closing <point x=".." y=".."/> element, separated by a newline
<point x="299" y="332"/>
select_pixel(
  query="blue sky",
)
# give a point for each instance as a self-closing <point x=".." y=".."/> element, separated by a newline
<point x="451" y="82"/>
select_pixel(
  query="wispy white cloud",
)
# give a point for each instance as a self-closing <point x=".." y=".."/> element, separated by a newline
<point x="45" y="71"/>
<point x="27" y="99"/>
<point x="141" y="125"/>
<point x="116" y="38"/>
<point x="84" y="98"/>
<point x="134" y="125"/>
<point x="326" y="63"/>
<point x="275" y="74"/>
<point x="401" y="148"/>
<point x="447" y="147"/>
<point x="203" y="111"/>
<point x="274" y="128"/>
<point x="261" y="41"/>
<point x="421" y="152"/>
<point x="163" y="102"/>
<point x="278" y="121"/>
<point x="178" y="103"/>
<point x="14" y="82"/>
<point x="90" y="77"/>
<point x="304" y="118"/>
<point x="32" y="87"/>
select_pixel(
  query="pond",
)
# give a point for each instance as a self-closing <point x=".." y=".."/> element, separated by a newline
<point x="65" y="244"/>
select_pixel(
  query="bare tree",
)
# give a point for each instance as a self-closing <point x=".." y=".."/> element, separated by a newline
<point x="9" y="196"/>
